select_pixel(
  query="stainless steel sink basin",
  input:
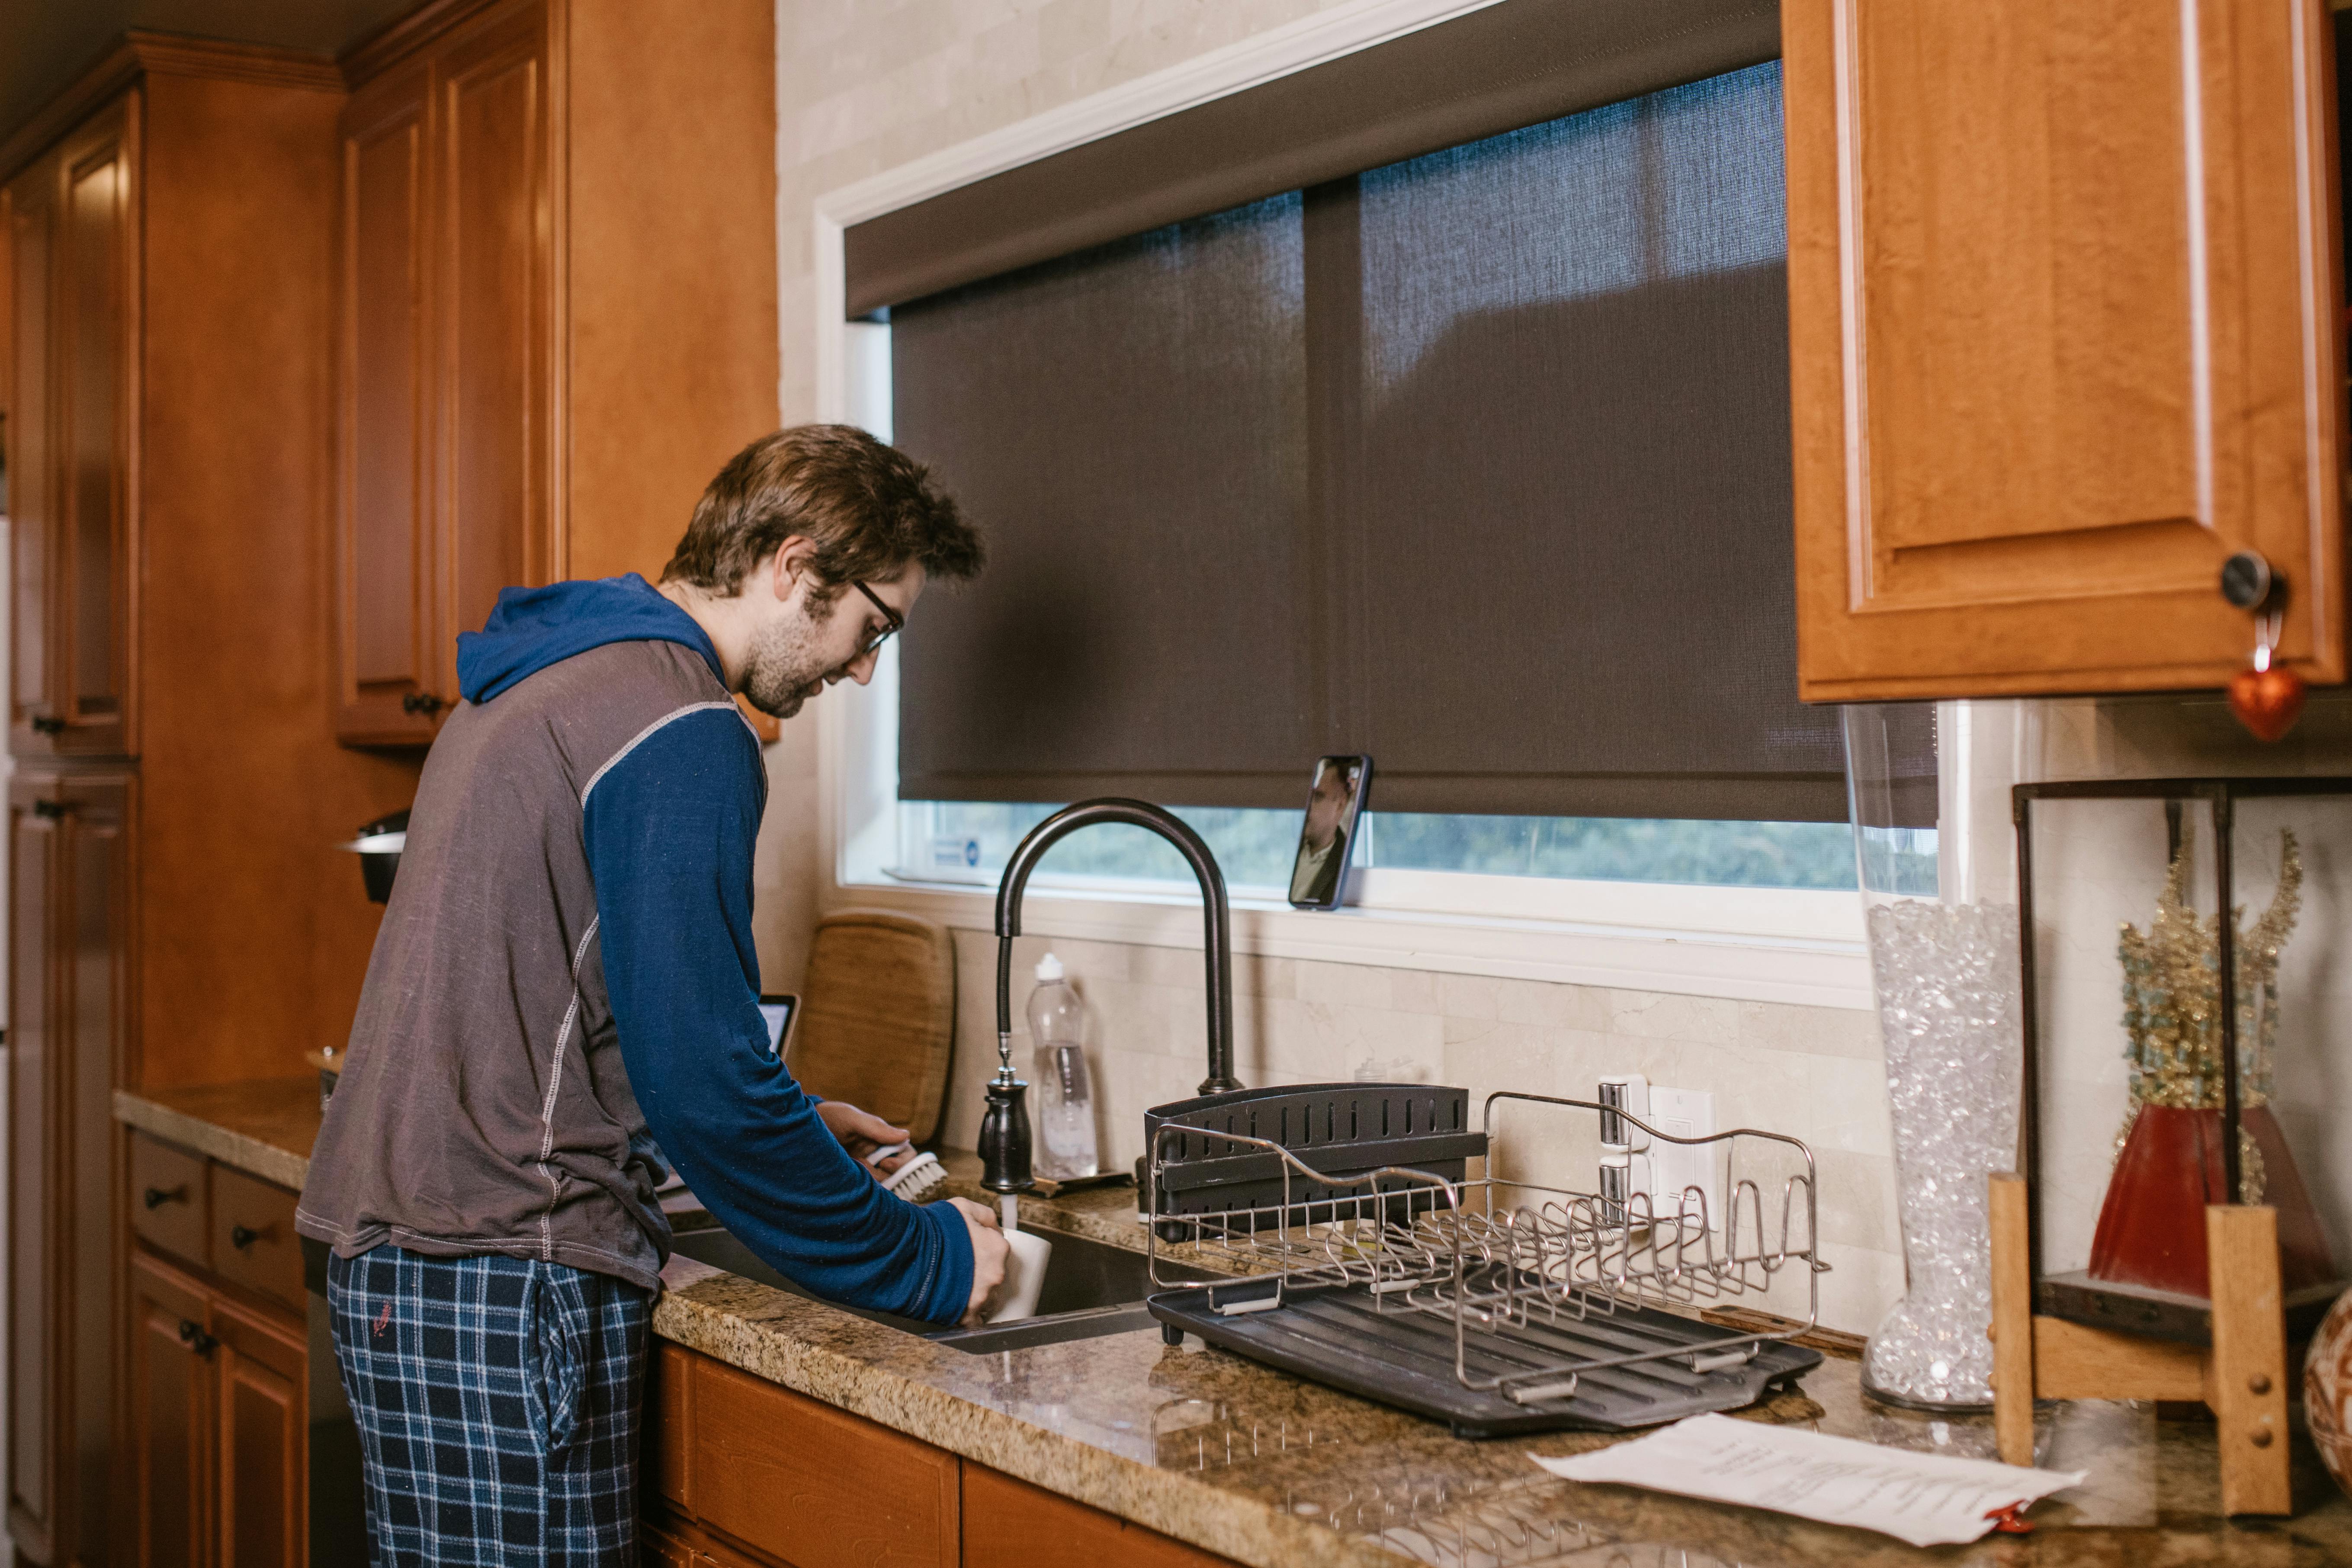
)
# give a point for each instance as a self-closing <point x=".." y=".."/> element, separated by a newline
<point x="1091" y="1288"/>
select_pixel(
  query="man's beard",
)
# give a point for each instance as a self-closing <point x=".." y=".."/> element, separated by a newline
<point x="782" y="670"/>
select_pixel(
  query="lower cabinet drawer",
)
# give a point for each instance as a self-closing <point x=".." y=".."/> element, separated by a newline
<point x="1012" y="1524"/>
<point x="253" y="1239"/>
<point x="818" y="1488"/>
<point x="734" y="1462"/>
<point x="167" y="1197"/>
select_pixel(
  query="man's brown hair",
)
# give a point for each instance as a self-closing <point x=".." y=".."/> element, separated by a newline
<point x="871" y="509"/>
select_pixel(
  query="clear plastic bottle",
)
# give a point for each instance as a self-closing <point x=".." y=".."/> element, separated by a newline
<point x="1065" y="1098"/>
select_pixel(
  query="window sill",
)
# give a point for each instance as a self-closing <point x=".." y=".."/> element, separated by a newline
<point x="1804" y="957"/>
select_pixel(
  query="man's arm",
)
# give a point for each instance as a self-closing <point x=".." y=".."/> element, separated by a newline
<point x="670" y="828"/>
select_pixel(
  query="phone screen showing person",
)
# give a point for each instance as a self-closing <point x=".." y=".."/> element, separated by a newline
<point x="778" y="1011"/>
<point x="1328" y="841"/>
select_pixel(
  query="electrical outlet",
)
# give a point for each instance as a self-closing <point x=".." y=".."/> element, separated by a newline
<point x="1676" y="1168"/>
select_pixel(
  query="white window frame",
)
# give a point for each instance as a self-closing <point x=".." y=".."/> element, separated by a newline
<point x="1763" y="944"/>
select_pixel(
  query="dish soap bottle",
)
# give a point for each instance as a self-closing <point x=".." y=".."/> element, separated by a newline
<point x="1065" y="1096"/>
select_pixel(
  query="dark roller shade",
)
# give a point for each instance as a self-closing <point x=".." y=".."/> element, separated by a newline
<point x="1574" y="527"/>
<point x="1129" y="427"/>
<point x="1477" y="462"/>
<point x="1508" y="65"/>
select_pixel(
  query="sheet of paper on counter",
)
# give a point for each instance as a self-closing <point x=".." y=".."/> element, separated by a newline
<point x="1927" y="1500"/>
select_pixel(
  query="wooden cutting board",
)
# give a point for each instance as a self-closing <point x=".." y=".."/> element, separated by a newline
<point x="877" y="1017"/>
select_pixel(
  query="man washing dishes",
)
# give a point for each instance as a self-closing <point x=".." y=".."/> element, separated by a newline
<point x="564" y="993"/>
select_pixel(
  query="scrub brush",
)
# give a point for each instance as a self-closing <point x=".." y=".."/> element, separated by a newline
<point x="915" y="1179"/>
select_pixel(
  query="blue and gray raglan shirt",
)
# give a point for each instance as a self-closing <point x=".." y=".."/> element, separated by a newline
<point x="565" y="979"/>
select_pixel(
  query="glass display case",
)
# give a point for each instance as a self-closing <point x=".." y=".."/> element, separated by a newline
<point x="2176" y="1059"/>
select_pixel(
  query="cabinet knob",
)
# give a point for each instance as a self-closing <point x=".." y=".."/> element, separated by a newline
<point x="50" y="810"/>
<point x="2247" y="580"/>
<point x="242" y="1236"/>
<point x="156" y="1197"/>
<point x="43" y="724"/>
<point x="196" y="1339"/>
<point x="423" y="703"/>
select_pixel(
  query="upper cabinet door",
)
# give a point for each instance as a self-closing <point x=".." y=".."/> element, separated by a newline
<point x="2066" y="315"/>
<point x="95" y="330"/>
<point x="495" y="265"/>
<point x="388" y="620"/>
<point x="447" y="366"/>
<point x="73" y="459"/>
<point x="32" y="236"/>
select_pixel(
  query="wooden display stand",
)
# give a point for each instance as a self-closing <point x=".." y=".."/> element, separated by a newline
<point x="2242" y="1377"/>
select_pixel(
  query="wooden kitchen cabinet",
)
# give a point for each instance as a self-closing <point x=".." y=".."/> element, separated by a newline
<point x="262" y="1490"/>
<point x="69" y="901"/>
<point x="1008" y="1523"/>
<point x="171" y="453"/>
<point x="556" y="313"/>
<point x="73" y="442"/>
<point x="446" y="268"/>
<point x="2066" y="313"/>
<point x="217" y="1461"/>
<point x="741" y="1473"/>
<point x="170" y="1417"/>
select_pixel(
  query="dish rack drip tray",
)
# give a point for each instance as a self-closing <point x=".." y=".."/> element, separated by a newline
<point x="1496" y="1303"/>
<point x="1337" y="1337"/>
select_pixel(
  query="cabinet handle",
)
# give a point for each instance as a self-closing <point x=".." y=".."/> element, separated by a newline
<point x="196" y="1339"/>
<point x="240" y="1237"/>
<point x="43" y="724"/>
<point x="423" y="703"/>
<point x="2247" y="580"/>
<point x="156" y="1197"/>
<point x="51" y="810"/>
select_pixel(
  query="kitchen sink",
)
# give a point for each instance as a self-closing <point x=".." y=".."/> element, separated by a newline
<point x="1092" y="1288"/>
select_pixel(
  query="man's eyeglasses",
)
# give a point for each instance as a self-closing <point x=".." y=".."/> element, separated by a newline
<point x="892" y="621"/>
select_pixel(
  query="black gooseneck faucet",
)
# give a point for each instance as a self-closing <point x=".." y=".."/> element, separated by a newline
<point x="1004" y="1130"/>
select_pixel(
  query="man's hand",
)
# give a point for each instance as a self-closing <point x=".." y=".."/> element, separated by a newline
<point x="861" y="1132"/>
<point x="988" y="1251"/>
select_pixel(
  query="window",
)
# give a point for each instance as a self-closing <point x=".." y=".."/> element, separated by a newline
<point x="1303" y="175"/>
<point x="1495" y="332"/>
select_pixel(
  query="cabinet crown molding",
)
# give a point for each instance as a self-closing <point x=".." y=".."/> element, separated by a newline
<point x="402" y="36"/>
<point x="175" y="54"/>
<point x="140" y="53"/>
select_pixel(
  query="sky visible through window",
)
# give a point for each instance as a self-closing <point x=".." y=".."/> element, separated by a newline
<point x="1253" y="847"/>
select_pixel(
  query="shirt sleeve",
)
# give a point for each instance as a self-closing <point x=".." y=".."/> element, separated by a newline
<point x="670" y="828"/>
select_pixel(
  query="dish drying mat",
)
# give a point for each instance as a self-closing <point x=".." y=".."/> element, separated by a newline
<point x="1498" y="1307"/>
<point x="1338" y="1337"/>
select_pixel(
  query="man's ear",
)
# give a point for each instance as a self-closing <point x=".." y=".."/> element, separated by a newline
<point x="791" y="569"/>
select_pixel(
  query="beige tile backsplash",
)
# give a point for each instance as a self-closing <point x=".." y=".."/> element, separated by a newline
<point x="1814" y="1073"/>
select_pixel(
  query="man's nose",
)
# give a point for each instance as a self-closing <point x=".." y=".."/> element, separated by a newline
<point x="859" y="670"/>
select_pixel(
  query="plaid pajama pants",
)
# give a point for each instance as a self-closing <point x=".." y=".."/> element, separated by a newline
<point x="498" y="1401"/>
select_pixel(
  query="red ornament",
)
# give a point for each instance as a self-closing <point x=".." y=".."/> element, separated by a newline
<point x="2267" y="701"/>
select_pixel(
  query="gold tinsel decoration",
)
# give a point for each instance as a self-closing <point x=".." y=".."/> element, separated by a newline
<point x="2172" y="1002"/>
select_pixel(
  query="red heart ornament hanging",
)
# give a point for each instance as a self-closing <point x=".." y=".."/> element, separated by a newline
<point x="2266" y="698"/>
<point x="2267" y="701"/>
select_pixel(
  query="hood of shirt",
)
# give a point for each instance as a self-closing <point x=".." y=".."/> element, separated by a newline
<point x="530" y="629"/>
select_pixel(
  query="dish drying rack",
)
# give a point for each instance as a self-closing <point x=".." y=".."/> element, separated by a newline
<point x="1495" y="1305"/>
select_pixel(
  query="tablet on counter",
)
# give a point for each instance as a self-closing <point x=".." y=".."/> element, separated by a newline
<point x="778" y="1010"/>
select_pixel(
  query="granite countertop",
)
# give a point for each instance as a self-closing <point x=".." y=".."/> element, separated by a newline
<point x="1262" y="1468"/>
<point x="263" y="1127"/>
